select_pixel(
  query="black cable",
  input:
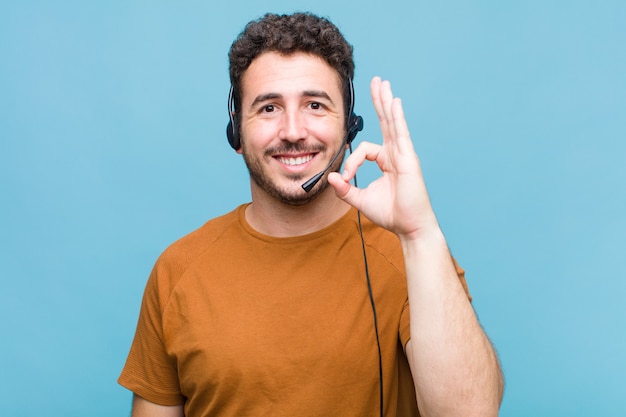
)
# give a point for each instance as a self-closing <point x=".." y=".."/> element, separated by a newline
<point x="371" y="295"/>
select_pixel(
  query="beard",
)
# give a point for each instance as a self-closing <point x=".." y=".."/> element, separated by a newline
<point x="292" y="194"/>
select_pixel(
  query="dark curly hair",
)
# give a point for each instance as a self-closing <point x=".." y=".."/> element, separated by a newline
<point x="288" y="34"/>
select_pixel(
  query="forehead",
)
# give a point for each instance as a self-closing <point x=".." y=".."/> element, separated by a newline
<point x="272" y="72"/>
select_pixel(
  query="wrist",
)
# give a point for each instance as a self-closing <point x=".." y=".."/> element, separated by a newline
<point x="427" y="238"/>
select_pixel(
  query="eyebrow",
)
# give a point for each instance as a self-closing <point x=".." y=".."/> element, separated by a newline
<point x="264" y="97"/>
<point x="317" y="93"/>
<point x="307" y="93"/>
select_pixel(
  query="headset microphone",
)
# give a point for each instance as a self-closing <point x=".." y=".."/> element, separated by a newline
<point x="356" y="125"/>
<point x="315" y="179"/>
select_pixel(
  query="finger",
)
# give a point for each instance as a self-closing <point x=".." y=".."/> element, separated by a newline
<point x="400" y="126"/>
<point x="386" y="100"/>
<point x="340" y="184"/>
<point x="378" y="106"/>
<point x="365" y="151"/>
<point x="344" y="190"/>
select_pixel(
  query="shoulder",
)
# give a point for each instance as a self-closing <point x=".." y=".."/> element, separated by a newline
<point x="382" y="243"/>
<point x="200" y="239"/>
<point x="177" y="258"/>
<point x="386" y="245"/>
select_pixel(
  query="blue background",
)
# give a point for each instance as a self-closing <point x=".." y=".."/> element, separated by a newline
<point x="112" y="119"/>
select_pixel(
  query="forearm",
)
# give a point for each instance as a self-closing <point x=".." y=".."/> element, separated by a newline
<point x="145" y="408"/>
<point x="455" y="368"/>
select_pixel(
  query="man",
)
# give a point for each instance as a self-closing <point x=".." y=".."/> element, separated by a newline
<point x="293" y="304"/>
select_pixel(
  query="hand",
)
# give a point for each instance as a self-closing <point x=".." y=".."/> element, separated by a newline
<point x="398" y="200"/>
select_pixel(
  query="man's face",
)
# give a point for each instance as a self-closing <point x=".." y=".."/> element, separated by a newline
<point x="292" y="123"/>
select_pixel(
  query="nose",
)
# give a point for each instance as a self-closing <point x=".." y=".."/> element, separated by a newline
<point x="292" y="126"/>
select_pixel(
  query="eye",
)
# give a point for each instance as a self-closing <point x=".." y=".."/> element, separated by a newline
<point x="268" y="109"/>
<point x="316" y="106"/>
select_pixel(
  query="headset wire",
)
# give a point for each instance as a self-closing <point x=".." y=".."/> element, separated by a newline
<point x="373" y="304"/>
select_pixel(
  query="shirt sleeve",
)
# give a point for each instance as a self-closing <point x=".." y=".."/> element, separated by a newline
<point x="149" y="371"/>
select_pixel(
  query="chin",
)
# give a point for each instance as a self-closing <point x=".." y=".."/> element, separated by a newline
<point x="285" y="190"/>
<point x="292" y="195"/>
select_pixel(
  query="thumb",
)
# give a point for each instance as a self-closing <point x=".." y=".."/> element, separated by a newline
<point x="343" y="188"/>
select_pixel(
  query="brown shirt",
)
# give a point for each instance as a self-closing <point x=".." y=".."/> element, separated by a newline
<point x="237" y="323"/>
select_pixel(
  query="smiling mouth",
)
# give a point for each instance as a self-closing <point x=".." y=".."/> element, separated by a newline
<point x="294" y="161"/>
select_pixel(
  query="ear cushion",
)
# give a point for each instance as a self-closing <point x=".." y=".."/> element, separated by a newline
<point x="355" y="125"/>
<point x="232" y="134"/>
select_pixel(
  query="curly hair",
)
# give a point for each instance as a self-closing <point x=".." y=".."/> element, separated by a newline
<point x="288" y="34"/>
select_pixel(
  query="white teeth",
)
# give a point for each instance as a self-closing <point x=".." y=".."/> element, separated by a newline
<point x="295" y="161"/>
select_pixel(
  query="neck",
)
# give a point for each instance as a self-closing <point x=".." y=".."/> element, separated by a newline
<point x="273" y="218"/>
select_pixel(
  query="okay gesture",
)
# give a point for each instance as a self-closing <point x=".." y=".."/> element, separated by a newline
<point x="398" y="200"/>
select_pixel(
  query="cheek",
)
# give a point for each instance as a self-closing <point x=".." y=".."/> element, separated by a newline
<point x="324" y="131"/>
<point x="259" y="134"/>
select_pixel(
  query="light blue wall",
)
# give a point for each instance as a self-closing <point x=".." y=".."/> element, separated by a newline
<point x="112" y="145"/>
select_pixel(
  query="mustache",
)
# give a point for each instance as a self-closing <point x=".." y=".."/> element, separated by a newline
<point x="294" y="147"/>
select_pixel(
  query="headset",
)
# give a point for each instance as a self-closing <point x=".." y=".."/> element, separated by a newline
<point x="354" y="125"/>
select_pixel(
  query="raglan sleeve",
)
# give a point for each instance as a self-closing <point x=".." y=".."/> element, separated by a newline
<point x="149" y="371"/>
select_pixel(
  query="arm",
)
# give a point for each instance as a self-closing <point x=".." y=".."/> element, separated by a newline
<point x="145" y="408"/>
<point x="454" y="367"/>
